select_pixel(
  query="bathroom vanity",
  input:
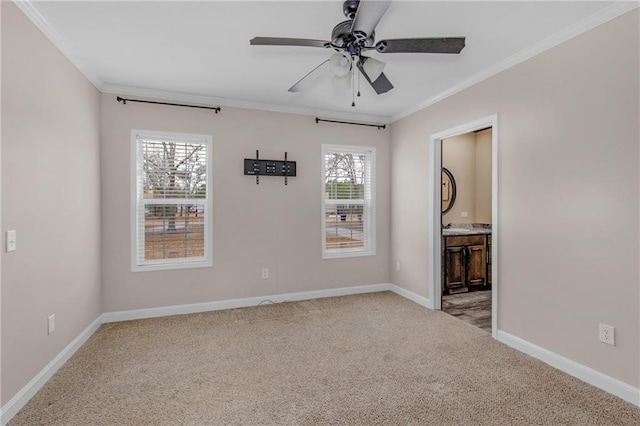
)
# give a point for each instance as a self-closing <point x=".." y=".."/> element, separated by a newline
<point x="466" y="260"/>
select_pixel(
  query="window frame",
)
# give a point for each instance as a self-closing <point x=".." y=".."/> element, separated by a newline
<point x="369" y="248"/>
<point x="205" y="261"/>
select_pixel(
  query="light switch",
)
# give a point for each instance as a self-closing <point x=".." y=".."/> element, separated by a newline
<point x="464" y="214"/>
<point x="11" y="240"/>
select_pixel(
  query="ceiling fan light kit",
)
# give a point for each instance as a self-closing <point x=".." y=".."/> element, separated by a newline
<point x="352" y="38"/>
<point x="340" y="64"/>
<point x="372" y="67"/>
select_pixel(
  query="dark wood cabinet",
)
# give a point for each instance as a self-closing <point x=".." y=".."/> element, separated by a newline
<point x="476" y="266"/>
<point x="455" y="268"/>
<point x="464" y="263"/>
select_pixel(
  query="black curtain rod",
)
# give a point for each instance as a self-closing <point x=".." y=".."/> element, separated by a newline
<point x="124" y="102"/>
<point x="379" y="126"/>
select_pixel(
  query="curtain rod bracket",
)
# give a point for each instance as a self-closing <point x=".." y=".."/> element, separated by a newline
<point x="124" y="102"/>
<point x="379" y="126"/>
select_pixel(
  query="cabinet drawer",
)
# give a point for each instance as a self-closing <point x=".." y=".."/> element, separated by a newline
<point x="464" y="240"/>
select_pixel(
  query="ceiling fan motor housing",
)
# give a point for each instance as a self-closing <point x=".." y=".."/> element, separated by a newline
<point x="351" y="42"/>
<point x="355" y="36"/>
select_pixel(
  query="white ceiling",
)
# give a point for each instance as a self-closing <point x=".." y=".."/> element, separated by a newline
<point x="200" y="50"/>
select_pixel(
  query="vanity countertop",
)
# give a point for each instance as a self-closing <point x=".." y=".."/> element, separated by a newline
<point x="466" y="229"/>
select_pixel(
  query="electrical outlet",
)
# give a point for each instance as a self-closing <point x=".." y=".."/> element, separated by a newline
<point x="398" y="266"/>
<point x="607" y="334"/>
<point x="10" y="240"/>
<point x="464" y="214"/>
<point x="265" y="274"/>
<point x="51" y="323"/>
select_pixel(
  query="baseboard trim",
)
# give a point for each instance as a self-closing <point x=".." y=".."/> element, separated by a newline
<point x="20" y="399"/>
<point x="239" y="303"/>
<point x="582" y="372"/>
<point x="420" y="300"/>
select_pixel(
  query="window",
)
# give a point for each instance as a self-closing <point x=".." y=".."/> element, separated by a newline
<point x="348" y="202"/>
<point x="171" y="201"/>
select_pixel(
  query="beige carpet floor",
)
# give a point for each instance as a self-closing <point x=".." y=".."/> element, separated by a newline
<point x="362" y="360"/>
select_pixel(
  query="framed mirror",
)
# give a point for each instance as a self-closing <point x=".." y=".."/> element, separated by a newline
<point x="448" y="190"/>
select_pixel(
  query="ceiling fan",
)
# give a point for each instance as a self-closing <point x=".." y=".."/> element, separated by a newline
<point x="352" y="38"/>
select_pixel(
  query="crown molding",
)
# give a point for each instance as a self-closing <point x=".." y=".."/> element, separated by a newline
<point x="27" y="7"/>
<point x="599" y="18"/>
<point x="234" y="103"/>
<point x="31" y="11"/>
<point x="590" y="22"/>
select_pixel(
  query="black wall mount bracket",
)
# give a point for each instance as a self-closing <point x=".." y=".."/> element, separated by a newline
<point x="257" y="167"/>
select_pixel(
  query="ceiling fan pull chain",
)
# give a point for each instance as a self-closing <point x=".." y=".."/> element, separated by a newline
<point x="358" y="85"/>
<point x="353" y="87"/>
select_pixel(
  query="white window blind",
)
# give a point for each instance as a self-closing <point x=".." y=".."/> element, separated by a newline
<point x="171" y="200"/>
<point x="348" y="208"/>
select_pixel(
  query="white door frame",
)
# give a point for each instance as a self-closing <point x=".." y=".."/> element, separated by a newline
<point x="435" y="211"/>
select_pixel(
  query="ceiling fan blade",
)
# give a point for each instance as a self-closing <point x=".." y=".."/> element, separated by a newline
<point x="283" y="41"/>
<point x="322" y="70"/>
<point x="421" y="45"/>
<point x="368" y="15"/>
<point x="380" y="85"/>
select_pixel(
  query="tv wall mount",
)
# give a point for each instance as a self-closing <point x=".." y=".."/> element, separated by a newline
<point x="257" y="167"/>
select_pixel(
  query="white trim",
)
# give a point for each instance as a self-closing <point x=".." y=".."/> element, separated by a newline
<point x="240" y="303"/>
<point x="435" y="221"/>
<point x="234" y="103"/>
<point x="495" y="229"/>
<point x="20" y="399"/>
<point x="31" y="11"/>
<point x="370" y="244"/>
<point x="590" y="22"/>
<point x="170" y="264"/>
<point x="599" y="18"/>
<point x="582" y="372"/>
<point x="194" y="308"/>
<point x="435" y="217"/>
<point x="593" y="377"/>
<point x="133" y="200"/>
<point x="420" y="300"/>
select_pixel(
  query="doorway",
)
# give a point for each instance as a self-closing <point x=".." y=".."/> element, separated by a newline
<point x="464" y="228"/>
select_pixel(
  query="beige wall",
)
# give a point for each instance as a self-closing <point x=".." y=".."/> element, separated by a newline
<point x="483" y="176"/>
<point x="569" y="200"/>
<point x="50" y="196"/>
<point x="459" y="157"/>
<point x="468" y="158"/>
<point x="254" y="226"/>
<point x="568" y="195"/>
